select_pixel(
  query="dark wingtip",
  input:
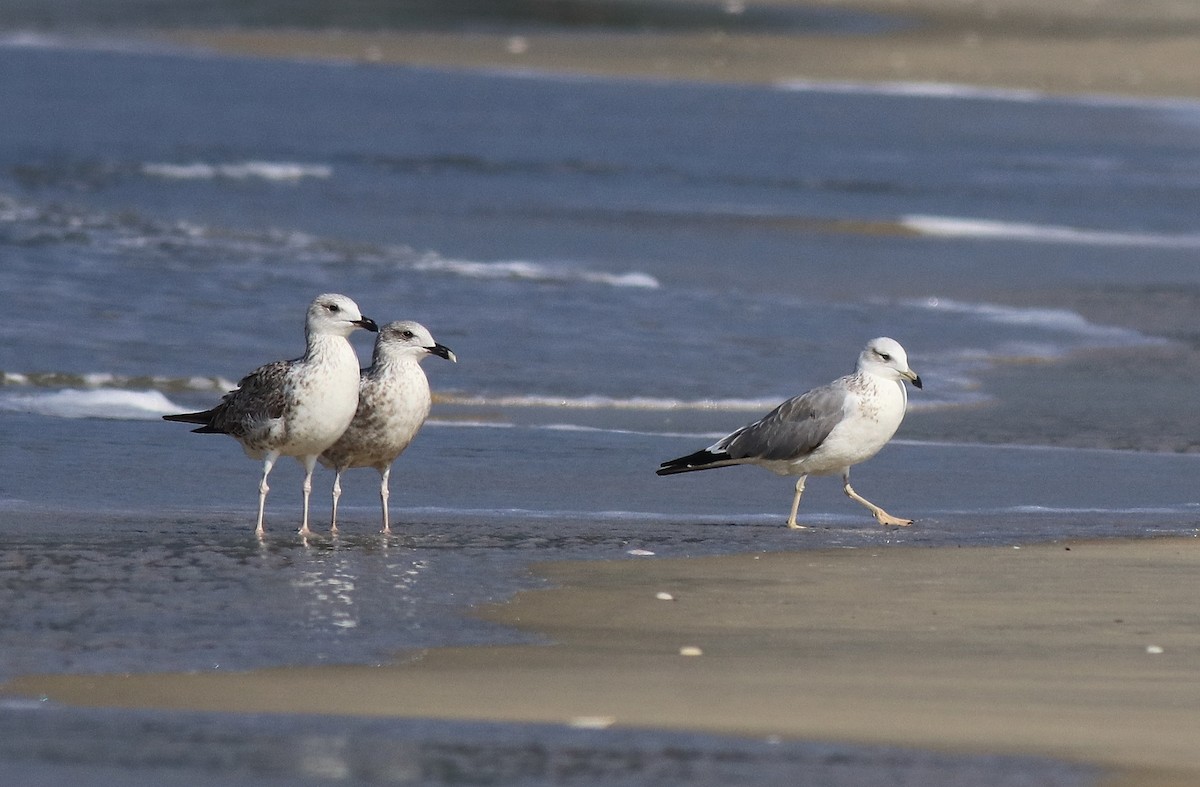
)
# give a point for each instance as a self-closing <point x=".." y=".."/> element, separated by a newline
<point x="677" y="466"/>
<point x="701" y="460"/>
<point x="204" y="419"/>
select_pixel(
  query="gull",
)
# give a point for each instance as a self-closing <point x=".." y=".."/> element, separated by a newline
<point x="294" y="408"/>
<point x="393" y="403"/>
<point x="825" y="431"/>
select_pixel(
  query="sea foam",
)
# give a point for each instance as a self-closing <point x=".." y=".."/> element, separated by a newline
<point x="95" y="403"/>
<point x="1065" y="323"/>
<point x="533" y="271"/>
<point x="957" y="91"/>
<point x="276" y="171"/>
<point x="988" y="229"/>
<point x="602" y="402"/>
<point x="121" y="232"/>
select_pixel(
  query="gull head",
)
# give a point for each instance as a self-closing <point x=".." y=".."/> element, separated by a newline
<point x="335" y="315"/>
<point x="408" y="339"/>
<point x="886" y="358"/>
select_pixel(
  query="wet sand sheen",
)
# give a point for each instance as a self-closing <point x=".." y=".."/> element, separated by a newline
<point x="1057" y="47"/>
<point x="1048" y="650"/>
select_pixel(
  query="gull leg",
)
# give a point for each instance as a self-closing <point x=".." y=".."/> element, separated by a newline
<point x="337" y="493"/>
<point x="384" y="494"/>
<point x="881" y="516"/>
<point x="310" y="463"/>
<point x="796" y="505"/>
<point x="268" y="463"/>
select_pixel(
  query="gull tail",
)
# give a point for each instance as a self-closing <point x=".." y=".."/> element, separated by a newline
<point x="701" y="460"/>
<point x="204" y="418"/>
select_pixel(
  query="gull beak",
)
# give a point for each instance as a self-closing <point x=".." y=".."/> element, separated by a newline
<point x="912" y="377"/>
<point x="368" y="323"/>
<point x="442" y="351"/>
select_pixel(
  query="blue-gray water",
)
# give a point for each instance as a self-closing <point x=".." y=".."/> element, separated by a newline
<point x="607" y="259"/>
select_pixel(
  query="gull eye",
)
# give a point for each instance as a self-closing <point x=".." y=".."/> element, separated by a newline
<point x="883" y="356"/>
<point x="333" y="307"/>
<point x="408" y="335"/>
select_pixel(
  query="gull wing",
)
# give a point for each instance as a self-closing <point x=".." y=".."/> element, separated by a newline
<point x="792" y="430"/>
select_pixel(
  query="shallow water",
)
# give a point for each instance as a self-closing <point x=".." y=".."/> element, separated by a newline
<point x="96" y="578"/>
<point x="625" y="270"/>
<point x="135" y="748"/>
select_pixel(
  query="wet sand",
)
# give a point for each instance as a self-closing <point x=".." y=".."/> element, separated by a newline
<point x="1059" y="47"/>
<point x="1086" y="652"/>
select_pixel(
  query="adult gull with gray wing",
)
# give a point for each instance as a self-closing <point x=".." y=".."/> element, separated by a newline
<point x="825" y="431"/>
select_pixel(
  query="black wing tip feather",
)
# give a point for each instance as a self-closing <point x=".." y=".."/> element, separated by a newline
<point x="701" y="460"/>
<point x="189" y="418"/>
<point x="204" y="419"/>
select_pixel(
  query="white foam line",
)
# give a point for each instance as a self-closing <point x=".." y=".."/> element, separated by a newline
<point x="532" y="271"/>
<point x="1051" y="319"/>
<point x="959" y="91"/>
<point x="947" y="90"/>
<point x="1167" y="455"/>
<point x="470" y="424"/>
<point x="650" y="404"/>
<point x="276" y="171"/>
<point x="950" y="91"/>
<point x="93" y="403"/>
<point x="1167" y="509"/>
<point x="988" y="229"/>
<point x="606" y="403"/>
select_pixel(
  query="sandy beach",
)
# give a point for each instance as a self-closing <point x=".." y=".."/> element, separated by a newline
<point x="1086" y="652"/>
<point x="1057" y="47"/>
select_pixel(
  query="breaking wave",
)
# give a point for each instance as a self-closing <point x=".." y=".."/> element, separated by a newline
<point x="25" y="224"/>
<point x="94" y="403"/>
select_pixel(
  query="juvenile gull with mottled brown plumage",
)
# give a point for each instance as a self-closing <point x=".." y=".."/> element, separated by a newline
<point x="294" y="408"/>
<point x="825" y="431"/>
<point x="393" y="403"/>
